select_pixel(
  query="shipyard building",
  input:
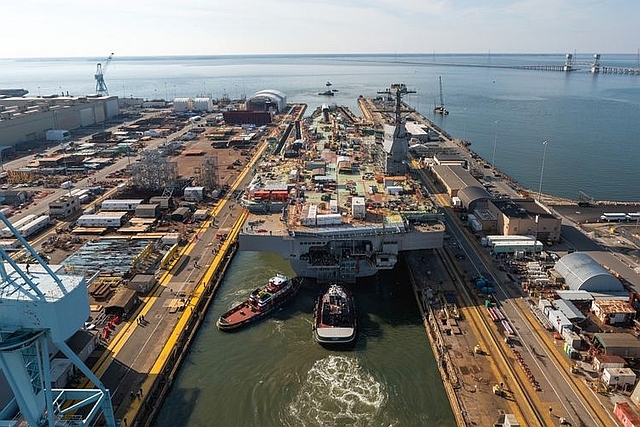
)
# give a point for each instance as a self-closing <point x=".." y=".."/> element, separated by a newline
<point x="494" y="215"/>
<point x="28" y="119"/>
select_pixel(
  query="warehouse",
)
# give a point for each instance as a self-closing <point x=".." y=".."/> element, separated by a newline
<point x="581" y="272"/>
<point x="619" y="344"/>
<point x="474" y="198"/>
<point x="613" y="312"/>
<point x="28" y="119"/>
<point x="454" y="178"/>
<point x="526" y="216"/>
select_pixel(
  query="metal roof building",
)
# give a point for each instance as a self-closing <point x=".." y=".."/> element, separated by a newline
<point x="581" y="272"/>
<point x="471" y="195"/>
<point x="267" y="97"/>
<point x="454" y="177"/>
<point x="569" y="310"/>
<point x="619" y="344"/>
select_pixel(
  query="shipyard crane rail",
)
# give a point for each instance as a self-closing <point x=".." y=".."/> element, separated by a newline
<point x="101" y="86"/>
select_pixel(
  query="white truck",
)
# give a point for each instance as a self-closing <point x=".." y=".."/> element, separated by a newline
<point x="57" y="135"/>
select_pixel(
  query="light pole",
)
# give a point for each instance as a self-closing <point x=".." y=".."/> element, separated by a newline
<point x="495" y="144"/>
<point x="544" y="155"/>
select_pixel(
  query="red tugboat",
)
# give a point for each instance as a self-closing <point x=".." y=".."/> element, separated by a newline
<point x="335" y="317"/>
<point x="260" y="303"/>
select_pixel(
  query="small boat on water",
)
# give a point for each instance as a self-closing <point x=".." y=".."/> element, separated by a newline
<point x="440" y="109"/>
<point x="326" y="93"/>
<point x="335" y="317"/>
<point x="260" y="303"/>
<point x="328" y="83"/>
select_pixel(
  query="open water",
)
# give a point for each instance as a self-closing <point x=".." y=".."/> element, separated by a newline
<point x="592" y="122"/>
<point x="273" y="373"/>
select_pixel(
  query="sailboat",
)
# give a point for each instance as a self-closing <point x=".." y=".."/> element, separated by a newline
<point x="439" y="109"/>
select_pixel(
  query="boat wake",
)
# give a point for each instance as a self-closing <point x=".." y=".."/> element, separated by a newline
<point x="338" y="392"/>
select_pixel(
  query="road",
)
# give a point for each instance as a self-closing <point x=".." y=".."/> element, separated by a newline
<point x="558" y="395"/>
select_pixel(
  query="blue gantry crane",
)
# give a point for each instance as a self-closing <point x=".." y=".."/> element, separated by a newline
<point x="101" y="86"/>
<point x="39" y="310"/>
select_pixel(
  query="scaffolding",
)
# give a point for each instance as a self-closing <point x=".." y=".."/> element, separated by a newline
<point x="207" y="174"/>
<point x="154" y="171"/>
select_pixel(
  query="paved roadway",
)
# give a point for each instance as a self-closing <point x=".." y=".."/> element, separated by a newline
<point x="136" y="351"/>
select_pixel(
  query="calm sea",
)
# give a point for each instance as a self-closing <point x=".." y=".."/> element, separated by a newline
<point x="273" y="373"/>
<point x="591" y="122"/>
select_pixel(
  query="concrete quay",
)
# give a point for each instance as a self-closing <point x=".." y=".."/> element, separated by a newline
<point x="138" y="364"/>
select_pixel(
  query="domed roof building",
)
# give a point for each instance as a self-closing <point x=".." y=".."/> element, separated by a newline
<point x="267" y="99"/>
<point x="583" y="273"/>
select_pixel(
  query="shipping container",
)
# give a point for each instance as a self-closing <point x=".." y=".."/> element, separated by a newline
<point x="120" y="204"/>
<point x="194" y="194"/>
<point x="147" y="210"/>
<point x="17" y="224"/>
<point x="163" y="201"/>
<point x="10" y="245"/>
<point x="328" y="219"/>
<point x="201" y="214"/>
<point x="93" y="220"/>
<point x="35" y="226"/>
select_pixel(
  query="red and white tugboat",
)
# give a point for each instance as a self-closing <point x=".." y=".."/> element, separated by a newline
<point x="335" y="317"/>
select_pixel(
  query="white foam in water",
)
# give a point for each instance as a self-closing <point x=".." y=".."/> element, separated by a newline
<point x="338" y="392"/>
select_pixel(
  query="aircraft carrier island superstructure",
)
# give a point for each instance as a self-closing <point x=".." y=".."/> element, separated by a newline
<point x="336" y="198"/>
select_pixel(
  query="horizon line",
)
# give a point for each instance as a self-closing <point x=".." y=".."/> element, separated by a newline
<point x="264" y="55"/>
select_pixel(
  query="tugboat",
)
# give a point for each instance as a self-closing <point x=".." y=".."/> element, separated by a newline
<point x="260" y="303"/>
<point x="335" y="317"/>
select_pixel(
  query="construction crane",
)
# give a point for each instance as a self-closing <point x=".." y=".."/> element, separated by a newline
<point x="101" y="86"/>
<point x="41" y="307"/>
<point x="585" y="200"/>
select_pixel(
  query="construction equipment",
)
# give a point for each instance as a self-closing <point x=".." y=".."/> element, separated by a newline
<point x="585" y="200"/>
<point x="101" y="86"/>
<point x="498" y="390"/>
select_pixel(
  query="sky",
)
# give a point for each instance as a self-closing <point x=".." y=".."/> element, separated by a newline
<point x="81" y="28"/>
